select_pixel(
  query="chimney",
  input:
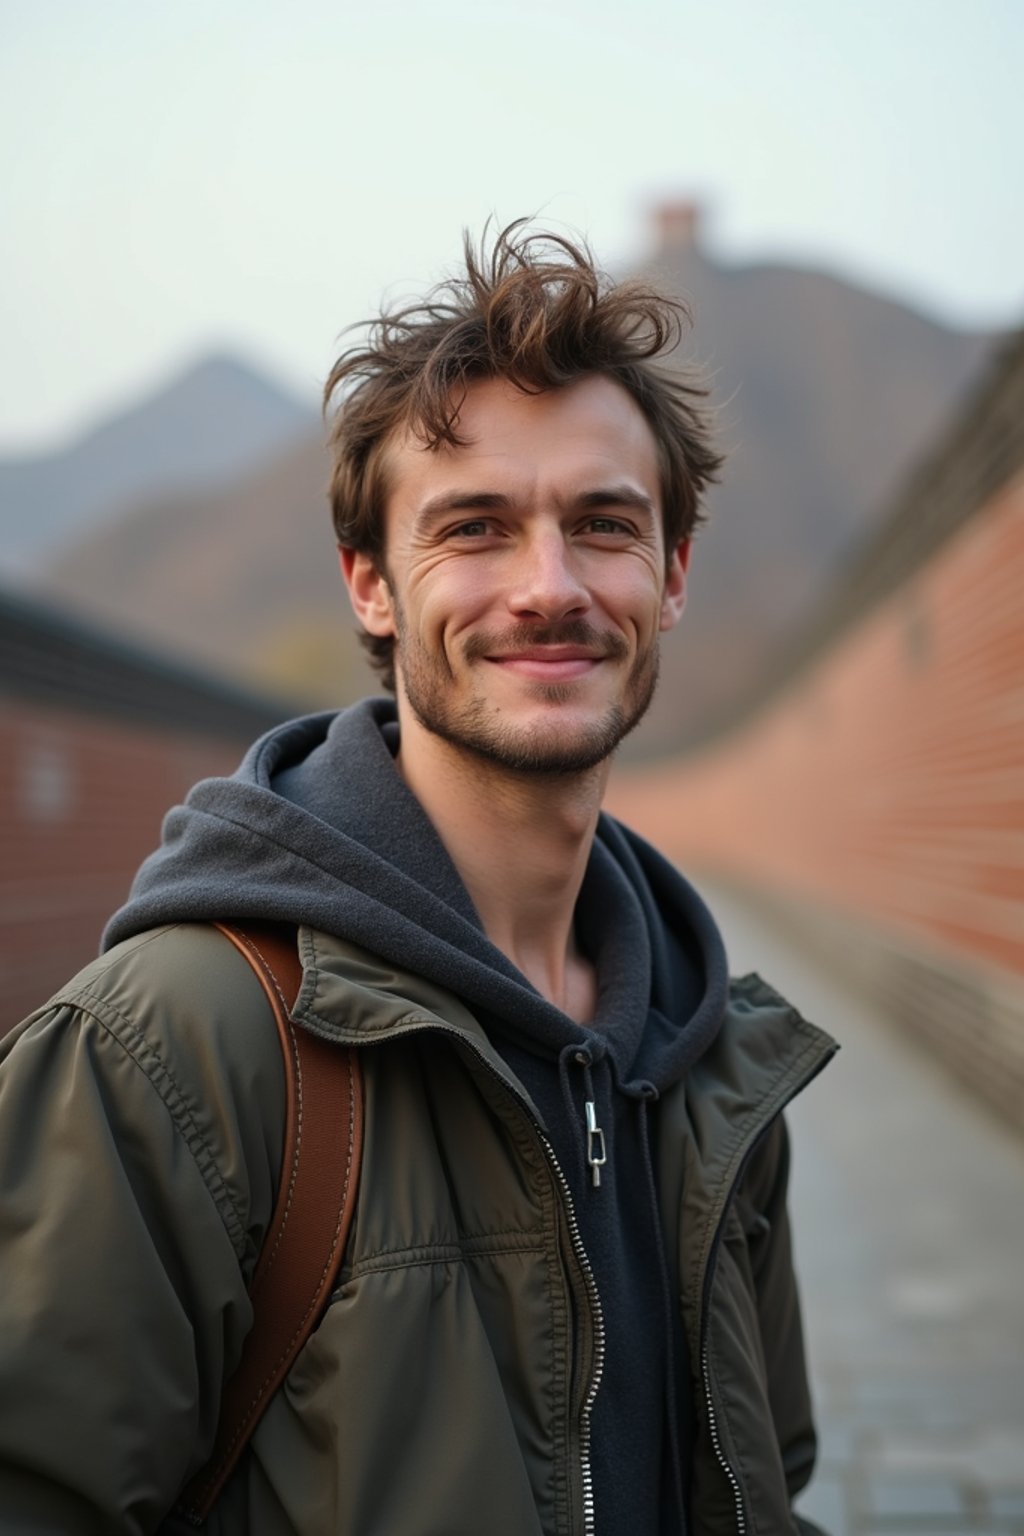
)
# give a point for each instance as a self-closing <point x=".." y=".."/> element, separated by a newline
<point x="676" y="226"/>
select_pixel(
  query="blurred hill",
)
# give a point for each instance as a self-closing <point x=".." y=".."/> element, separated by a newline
<point x="245" y="580"/>
<point x="827" y="395"/>
<point x="209" y="424"/>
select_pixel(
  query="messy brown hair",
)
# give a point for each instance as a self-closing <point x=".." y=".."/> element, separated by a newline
<point x="532" y="308"/>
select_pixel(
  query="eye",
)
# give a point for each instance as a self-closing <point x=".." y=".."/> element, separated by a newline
<point x="474" y="528"/>
<point x="608" y="525"/>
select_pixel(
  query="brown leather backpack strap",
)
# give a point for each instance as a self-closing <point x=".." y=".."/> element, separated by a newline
<point x="305" y="1242"/>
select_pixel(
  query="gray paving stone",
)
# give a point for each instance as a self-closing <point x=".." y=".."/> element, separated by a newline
<point x="826" y="1503"/>
<point x="1008" y="1503"/>
<point x="989" y="1455"/>
<point x="908" y="1206"/>
<point x="905" y="1498"/>
<point x="839" y="1442"/>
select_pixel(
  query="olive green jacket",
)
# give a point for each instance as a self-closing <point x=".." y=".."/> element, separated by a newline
<point x="447" y="1389"/>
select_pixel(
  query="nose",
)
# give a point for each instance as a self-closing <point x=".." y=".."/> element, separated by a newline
<point x="546" y="584"/>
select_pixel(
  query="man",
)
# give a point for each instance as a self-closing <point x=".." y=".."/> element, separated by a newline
<point x="567" y="1303"/>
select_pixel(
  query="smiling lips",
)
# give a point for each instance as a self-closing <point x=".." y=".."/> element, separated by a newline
<point x="552" y="653"/>
<point x="549" y="663"/>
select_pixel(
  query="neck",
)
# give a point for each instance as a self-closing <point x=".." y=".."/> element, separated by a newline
<point x="521" y="843"/>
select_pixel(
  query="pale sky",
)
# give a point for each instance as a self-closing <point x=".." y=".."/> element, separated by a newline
<point x="255" y="175"/>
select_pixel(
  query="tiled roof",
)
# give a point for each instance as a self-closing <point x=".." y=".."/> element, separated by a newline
<point x="53" y="659"/>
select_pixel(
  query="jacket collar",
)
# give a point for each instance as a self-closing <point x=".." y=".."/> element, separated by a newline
<point x="353" y="997"/>
<point x="764" y="1055"/>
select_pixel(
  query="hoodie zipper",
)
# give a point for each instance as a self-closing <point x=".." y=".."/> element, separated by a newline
<point x="597" y="1370"/>
<point x="709" y="1275"/>
<point x="596" y="1154"/>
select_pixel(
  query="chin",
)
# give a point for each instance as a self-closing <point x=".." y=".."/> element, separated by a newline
<point x="550" y="748"/>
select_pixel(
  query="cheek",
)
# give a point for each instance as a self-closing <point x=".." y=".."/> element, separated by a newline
<point x="452" y="598"/>
<point x="637" y="599"/>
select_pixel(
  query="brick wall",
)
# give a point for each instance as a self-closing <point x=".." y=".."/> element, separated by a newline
<point x="890" y="780"/>
<point x="81" y="802"/>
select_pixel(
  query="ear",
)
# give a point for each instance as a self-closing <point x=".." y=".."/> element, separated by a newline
<point x="673" y="599"/>
<point x="368" y="591"/>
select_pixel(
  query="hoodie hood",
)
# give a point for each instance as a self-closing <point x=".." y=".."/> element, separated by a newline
<point x="317" y="827"/>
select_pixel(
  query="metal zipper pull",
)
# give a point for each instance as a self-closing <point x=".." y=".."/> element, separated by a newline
<point x="596" y="1156"/>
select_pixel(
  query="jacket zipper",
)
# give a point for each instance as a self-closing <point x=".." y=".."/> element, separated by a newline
<point x="586" y="1472"/>
<point x="741" y="1518"/>
<point x="709" y="1275"/>
<point x="599" y="1334"/>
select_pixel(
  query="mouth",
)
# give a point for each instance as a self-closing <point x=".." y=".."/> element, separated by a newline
<point x="549" y="663"/>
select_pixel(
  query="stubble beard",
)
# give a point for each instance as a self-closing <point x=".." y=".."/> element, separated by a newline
<point x="549" y="749"/>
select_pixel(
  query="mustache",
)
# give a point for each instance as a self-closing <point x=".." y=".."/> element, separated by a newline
<point x="503" y="642"/>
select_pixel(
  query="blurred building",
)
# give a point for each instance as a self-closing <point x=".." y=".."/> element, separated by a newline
<point x="97" y="740"/>
<point x="875" y="794"/>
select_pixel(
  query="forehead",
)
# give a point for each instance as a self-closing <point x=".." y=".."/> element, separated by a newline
<point x="573" y="438"/>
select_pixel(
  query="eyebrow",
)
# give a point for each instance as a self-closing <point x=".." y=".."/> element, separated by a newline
<point x="462" y="501"/>
<point x="617" y="496"/>
<point x="446" y="502"/>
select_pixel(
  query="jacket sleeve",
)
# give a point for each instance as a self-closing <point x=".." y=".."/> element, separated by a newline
<point x="763" y="1202"/>
<point x="125" y="1235"/>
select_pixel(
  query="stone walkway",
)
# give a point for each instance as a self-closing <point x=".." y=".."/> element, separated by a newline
<point x="909" y="1213"/>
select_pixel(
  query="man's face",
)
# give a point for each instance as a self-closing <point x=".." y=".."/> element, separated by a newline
<point x="525" y="575"/>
